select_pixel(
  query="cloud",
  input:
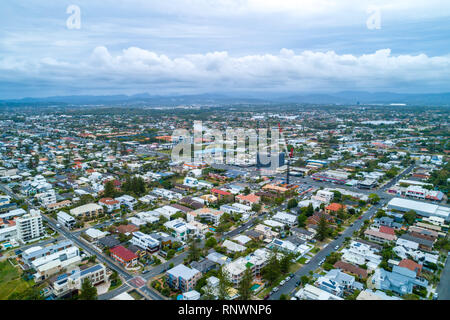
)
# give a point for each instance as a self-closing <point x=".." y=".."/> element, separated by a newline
<point x="218" y="71"/>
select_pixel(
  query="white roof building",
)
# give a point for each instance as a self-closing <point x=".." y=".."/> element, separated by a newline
<point x="421" y="208"/>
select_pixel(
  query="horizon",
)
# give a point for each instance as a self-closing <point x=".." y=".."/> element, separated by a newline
<point x="181" y="47"/>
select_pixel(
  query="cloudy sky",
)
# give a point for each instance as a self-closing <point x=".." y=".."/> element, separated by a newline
<point x="227" y="46"/>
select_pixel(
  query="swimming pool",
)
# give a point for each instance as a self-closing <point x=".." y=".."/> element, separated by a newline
<point x="7" y="245"/>
<point x="212" y="229"/>
<point x="255" y="287"/>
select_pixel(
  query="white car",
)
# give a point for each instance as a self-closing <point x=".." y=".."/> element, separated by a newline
<point x="282" y="282"/>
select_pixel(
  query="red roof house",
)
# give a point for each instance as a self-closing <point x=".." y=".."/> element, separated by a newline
<point x="124" y="256"/>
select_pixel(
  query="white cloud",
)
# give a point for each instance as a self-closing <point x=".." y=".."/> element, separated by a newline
<point x="287" y="70"/>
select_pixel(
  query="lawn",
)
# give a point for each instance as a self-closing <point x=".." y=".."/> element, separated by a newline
<point x="11" y="281"/>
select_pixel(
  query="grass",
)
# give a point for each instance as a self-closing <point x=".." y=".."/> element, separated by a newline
<point x="302" y="260"/>
<point x="136" y="295"/>
<point x="11" y="281"/>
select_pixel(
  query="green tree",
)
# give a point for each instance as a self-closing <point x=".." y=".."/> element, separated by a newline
<point x="245" y="285"/>
<point x="302" y="220"/>
<point x="374" y="198"/>
<point x="110" y="190"/>
<point x="322" y="229"/>
<point x="211" y="242"/>
<point x="194" y="251"/>
<point x="410" y="217"/>
<point x="88" y="291"/>
<point x="293" y="203"/>
<point x="224" y="284"/>
<point x="256" y="207"/>
<point x="272" y="270"/>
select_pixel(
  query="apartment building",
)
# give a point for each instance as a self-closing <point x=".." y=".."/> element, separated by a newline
<point x="30" y="226"/>
<point x="183" y="278"/>
<point x="73" y="281"/>
<point x="211" y="215"/>
<point x="255" y="262"/>
<point x="87" y="210"/>
<point x="145" y="242"/>
<point x="66" y="220"/>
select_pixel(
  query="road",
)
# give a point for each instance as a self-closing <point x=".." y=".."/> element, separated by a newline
<point x="443" y="288"/>
<point x="313" y="264"/>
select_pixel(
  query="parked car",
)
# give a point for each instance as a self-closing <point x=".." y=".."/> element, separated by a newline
<point x="267" y="297"/>
<point x="275" y="289"/>
<point x="282" y="282"/>
<point x="336" y="248"/>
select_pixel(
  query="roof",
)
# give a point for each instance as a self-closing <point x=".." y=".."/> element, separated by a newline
<point x="351" y="268"/>
<point x="381" y="235"/>
<point x="108" y="201"/>
<point x="181" y="271"/>
<point x="250" y="198"/>
<point x="418" y="240"/>
<point x="109" y="241"/>
<point x="221" y="192"/>
<point x="123" y="253"/>
<point x="387" y="230"/>
<point x="335" y="207"/>
<point x="411" y="265"/>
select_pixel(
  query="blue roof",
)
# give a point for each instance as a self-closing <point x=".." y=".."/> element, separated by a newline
<point x="91" y="269"/>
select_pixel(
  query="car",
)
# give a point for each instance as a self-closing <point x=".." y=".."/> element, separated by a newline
<point x="287" y="278"/>
<point x="145" y="271"/>
<point x="336" y="248"/>
<point x="291" y="275"/>
<point x="282" y="282"/>
<point x="267" y="297"/>
<point x="360" y="218"/>
<point x="275" y="289"/>
<point x="352" y="225"/>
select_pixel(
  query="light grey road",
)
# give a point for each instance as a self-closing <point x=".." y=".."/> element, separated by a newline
<point x="443" y="288"/>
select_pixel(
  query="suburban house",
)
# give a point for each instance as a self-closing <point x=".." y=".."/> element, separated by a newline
<point x="379" y="237"/>
<point x="110" y="204"/>
<point x="124" y="256"/>
<point x="401" y="280"/>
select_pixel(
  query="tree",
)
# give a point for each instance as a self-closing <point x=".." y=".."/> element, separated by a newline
<point x="322" y="229"/>
<point x="256" y="207"/>
<point x="337" y="196"/>
<point x="410" y="217"/>
<point x="302" y="220"/>
<point x="194" y="251"/>
<point x="88" y="291"/>
<point x="293" y="203"/>
<point x="245" y="286"/>
<point x="224" y="284"/>
<point x="272" y="270"/>
<point x="110" y="190"/>
<point x="285" y="263"/>
<point x="380" y="213"/>
<point x="211" y="242"/>
<point x="374" y="198"/>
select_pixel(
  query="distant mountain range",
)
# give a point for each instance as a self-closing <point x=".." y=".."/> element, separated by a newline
<point x="348" y="97"/>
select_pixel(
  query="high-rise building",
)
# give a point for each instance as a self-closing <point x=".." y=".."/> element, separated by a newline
<point x="29" y="226"/>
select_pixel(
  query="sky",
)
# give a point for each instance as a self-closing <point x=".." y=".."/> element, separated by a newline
<point x="105" y="47"/>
